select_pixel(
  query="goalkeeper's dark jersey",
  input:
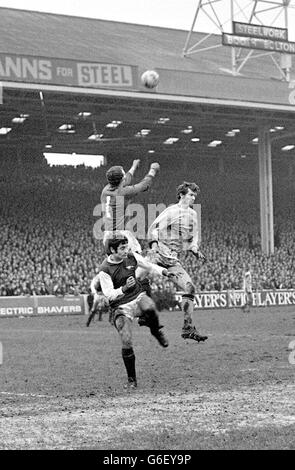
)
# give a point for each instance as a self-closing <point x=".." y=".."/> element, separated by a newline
<point x="118" y="274"/>
<point x="114" y="200"/>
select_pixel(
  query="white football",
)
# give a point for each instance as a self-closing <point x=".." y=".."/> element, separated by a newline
<point x="150" y="78"/>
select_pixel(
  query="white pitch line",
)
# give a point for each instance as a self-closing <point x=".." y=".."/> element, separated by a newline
<point x="34" y="395"/>
<point x="287" y="366"/>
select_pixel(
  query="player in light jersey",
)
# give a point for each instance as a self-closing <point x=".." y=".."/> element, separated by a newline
<point x="115" y="197"/>
<point x="127" y="298"/>
<point x="176" y="230"/>
<point x="247" y="289"/>
<point x="100" y="303"/>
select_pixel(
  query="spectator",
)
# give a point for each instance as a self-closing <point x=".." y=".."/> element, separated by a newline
<point x="47" y="221"/>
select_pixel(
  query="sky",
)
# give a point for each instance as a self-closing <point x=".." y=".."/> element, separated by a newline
<point x="176" y="14"/>
<point x="167" y="13"/>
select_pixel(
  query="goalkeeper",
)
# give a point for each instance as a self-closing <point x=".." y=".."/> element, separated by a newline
<point x="116" y="196"/>
<point x="173" y="231"/>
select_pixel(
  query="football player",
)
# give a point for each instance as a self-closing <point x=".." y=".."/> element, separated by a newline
<point x="97" y="302"/>
<point x="247" y="289"/>
<point x="128" y="299"/>
<point x="173" y="231"/>
<point x="115" y="197"/>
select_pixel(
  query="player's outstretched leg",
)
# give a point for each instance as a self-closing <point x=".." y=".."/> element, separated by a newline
<point x="184" y="283"/>
<point x="189" y="331"/>
<point x="123" y="326"/>
<point x="148" y="316"/>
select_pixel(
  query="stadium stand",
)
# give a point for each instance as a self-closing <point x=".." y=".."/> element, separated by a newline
<point x="47" y="244"/>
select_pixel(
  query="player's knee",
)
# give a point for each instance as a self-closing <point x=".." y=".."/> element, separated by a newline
<point x="146" y="303"/>
<point x="119" y="321"/>
<point x="121" y="324"/>
<point x="127" y="343"/>
<point x="126" y="338"/>
<point x="190" y="289"/>
<point x="147" y="308"/>
<point x="150" y="313"/>
<point x="151" y="318"/>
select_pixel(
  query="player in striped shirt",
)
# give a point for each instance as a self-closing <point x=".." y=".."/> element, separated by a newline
<point x="173" y="231"/>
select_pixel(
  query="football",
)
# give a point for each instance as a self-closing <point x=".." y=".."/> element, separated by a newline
<point x="150" y="79"/>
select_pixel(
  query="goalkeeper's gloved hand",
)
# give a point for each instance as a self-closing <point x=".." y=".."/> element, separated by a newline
<point x="199" y="255"/>
<point x="136" y="163"/>
<point x="155" y="166"/>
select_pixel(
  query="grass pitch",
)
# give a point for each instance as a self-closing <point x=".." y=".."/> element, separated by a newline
<point x="61" y="384"/>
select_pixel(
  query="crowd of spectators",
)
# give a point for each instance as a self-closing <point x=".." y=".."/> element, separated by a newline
<point x="47" y="244"/>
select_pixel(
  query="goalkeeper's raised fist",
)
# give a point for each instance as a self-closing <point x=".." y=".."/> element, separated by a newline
<point x="199" y="255"/>
<point x="155" y="166"/>
<point x="136" y="163"/>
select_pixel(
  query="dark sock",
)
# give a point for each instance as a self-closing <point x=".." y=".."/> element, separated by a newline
<point x="129" y="361"/>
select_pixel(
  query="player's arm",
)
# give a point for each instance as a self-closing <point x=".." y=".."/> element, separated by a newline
<point x="150" y="267"/>
<point x="195" y="243"/>
<point x="199" y="255"/>
<point x="160" y="224"/>
<point x="128" y="177"/>
<point x="108" y="289"/>
<point x="144" y="184"/>
<point x="93" y="285"/>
